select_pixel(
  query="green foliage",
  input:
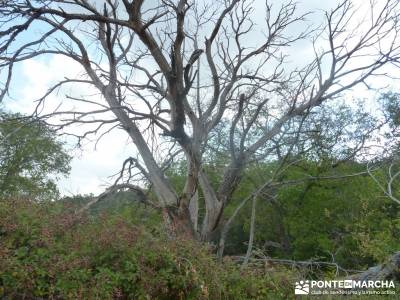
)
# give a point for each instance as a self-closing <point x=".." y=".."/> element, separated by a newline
<point x="378" y="230"/>
<point x="347" y="218"/>
<point x="46" y="252"/>
<point x="391" y="105"/>
<point x="29" y="154"/>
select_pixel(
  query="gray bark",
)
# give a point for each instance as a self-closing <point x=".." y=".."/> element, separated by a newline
<point x="389" y="270"/>
<point x="194" y="210"/>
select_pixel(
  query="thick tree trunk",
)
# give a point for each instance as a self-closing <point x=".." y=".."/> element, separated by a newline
<point x="213" y="205"/>
<point x="164" y="191"/>
<point x="178" y="222"/>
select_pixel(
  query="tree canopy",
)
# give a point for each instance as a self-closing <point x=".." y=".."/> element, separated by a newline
<point x="30" y="158"/>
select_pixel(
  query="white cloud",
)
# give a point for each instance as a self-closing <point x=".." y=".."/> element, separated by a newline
<point x="90" y="168"/>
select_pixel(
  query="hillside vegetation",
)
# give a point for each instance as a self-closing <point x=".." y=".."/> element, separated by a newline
<point x="46" y="252"/>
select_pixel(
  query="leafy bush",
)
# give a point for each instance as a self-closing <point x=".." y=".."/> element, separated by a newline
<point x="47" y="252"/>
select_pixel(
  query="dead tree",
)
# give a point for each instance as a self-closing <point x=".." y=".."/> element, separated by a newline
<point x="387" y="185"/>
<point x="170" y="72"/>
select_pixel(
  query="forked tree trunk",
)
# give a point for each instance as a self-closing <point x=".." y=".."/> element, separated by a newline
<point x="178" y="222"/>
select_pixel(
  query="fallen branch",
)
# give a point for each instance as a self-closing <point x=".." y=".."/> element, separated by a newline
<point x="296" y="263"/>
<point x="389" y="270"/>
<point x="140" y="192"/>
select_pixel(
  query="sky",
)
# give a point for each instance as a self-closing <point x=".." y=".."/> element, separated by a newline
<point x="94" y="163"/>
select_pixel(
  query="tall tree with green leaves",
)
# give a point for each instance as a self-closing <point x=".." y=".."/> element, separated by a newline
<point x="29" y="157"/>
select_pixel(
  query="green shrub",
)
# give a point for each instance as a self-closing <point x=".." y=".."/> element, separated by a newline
<point x="46" y="252"/>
